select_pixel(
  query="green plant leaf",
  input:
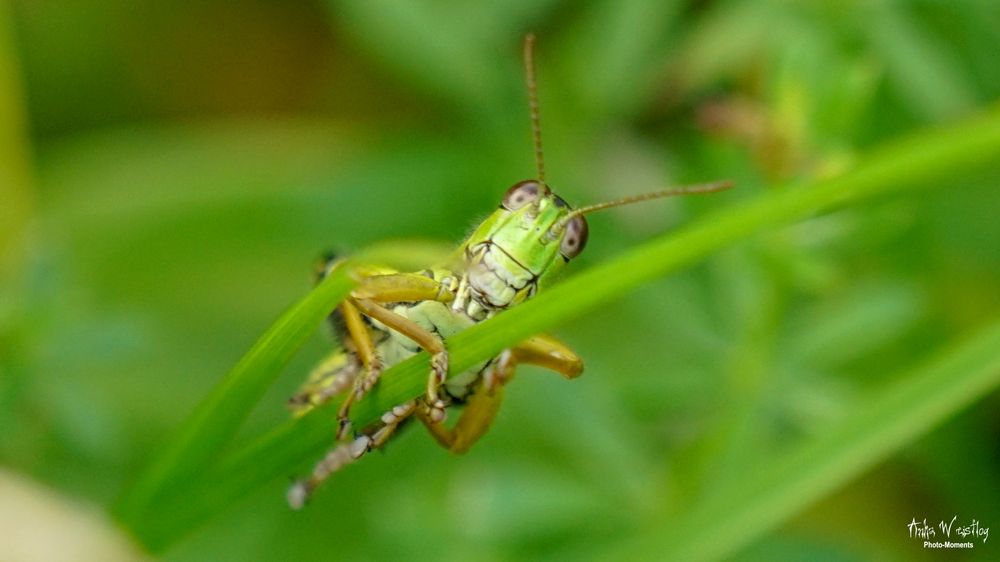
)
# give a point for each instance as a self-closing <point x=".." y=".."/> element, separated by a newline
<point x="453" y="62"/>
<point x="892" y="418"/>
<point x="218" y="417"/>
<point x="15" y="168"/>
<point x="923" y="69"/>
<point x="614" y="51"/>
<point x="199" y="491"/>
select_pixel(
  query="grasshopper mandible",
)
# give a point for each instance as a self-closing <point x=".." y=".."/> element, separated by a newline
<point x="391" y="315"/>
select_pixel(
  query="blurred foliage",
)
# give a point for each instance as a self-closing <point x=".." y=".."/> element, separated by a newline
<point x="169" y="173"/>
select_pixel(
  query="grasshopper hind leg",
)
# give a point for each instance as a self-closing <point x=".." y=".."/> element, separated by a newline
<point x="346" y="453"/>
<point x="339" y="370"/>
<point x="335" y="374"/>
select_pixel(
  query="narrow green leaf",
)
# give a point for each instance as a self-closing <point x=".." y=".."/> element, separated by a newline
<point x="896" y="416"/>
<point x="15" y="169"/>
<point x="923" y="69"/>
<point x="452" y="63"/>
<point x="218" y="417"/>
<point x="270" y="457"/>
<point x="929" y="158"/>
<point x="615" y="51"/>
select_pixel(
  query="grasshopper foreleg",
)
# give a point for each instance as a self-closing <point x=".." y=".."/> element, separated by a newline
<point x="425" y="339"/>
<point x="361" y="340"/>
<point x="365" y="300"/>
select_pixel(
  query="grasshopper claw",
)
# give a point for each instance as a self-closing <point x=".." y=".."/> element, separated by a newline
<point x="439" y="366"/>
<point x="343" y="427"/>
<point x="368" y="380"/>
<point x="298" y="494"/>
<point x="436" y="411"/>
<point x="439" y="373"/>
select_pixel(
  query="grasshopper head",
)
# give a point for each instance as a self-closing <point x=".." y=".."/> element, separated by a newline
<point x="535" y="228"/>
<point x="528" y="238"/>
<point x="532" y="235"/>
<point x="534" y="232"/>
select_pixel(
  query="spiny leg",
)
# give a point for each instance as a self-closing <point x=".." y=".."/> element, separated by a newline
<point x="542" y="350"/>
<point x="482" y="407"/>
<point x="391" y="287"/>
<point x="425" y="339"/>
<point x="473" y="423"/>
<point x="357" y="342"/>
<point x="331" y="377"/>
<point x="346" y="453"/>
<point x="361" y="338"/>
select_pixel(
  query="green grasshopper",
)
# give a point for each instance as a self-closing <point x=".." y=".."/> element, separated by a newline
<point x="392" y="315"/>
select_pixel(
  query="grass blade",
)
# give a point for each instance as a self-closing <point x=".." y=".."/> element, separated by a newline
<point x="218" y="417"/>
<point x="235" y="476"/>
<point x="16" y="185"/>
<point x="929" y="157"/>
<point x="896" y="416"/>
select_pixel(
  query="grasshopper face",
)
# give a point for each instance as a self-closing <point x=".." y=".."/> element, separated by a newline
<point x="530" y="237"/>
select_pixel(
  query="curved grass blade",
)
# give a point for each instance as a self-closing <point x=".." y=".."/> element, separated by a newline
<point x="895" y="417"/>
<point x="16" y="182"/>
<point x="931" y="157"/>
<point x="217" y="418"/>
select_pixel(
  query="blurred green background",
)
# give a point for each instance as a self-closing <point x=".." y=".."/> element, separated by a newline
<point x="170" y="171"/>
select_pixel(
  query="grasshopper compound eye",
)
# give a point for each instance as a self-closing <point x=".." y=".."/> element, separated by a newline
<point x="575" y="238"/>
<point x="523" y="193"/>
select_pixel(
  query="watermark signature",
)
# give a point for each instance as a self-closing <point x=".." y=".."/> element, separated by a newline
<point x="967" y="532"/>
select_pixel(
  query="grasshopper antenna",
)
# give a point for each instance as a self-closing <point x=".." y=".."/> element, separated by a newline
<point x="670" y="192"/>
<point x="536" y="125"/>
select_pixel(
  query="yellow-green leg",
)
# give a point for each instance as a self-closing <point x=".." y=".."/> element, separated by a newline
<point x="481" y="408"/>
<point x="335" y="374"/>
<point x="542" y="350"/>
<point x="365" y="299"/>
<point x="473" y="423"/>
<point x="361" y="338"/>
<point x="425" y="339"/>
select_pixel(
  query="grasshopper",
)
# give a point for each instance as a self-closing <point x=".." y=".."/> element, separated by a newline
<point x="391" y="315"/>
